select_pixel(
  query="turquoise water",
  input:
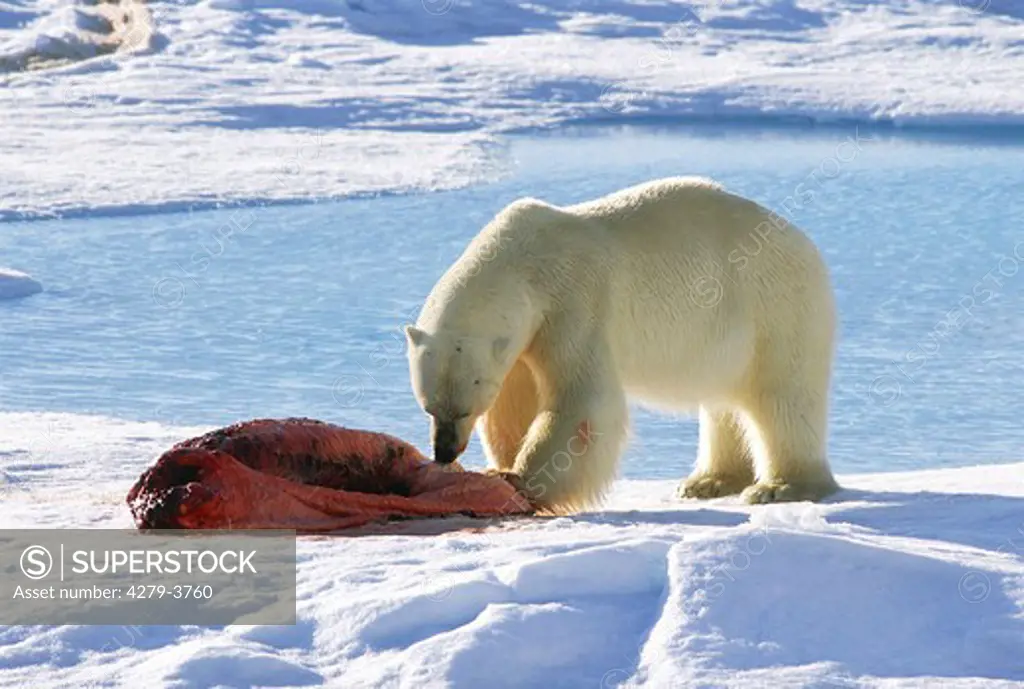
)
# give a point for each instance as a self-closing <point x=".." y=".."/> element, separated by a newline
<point x="183" y="318"/>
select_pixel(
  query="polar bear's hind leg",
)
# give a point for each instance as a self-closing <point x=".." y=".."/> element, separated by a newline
<point x="725" y="465"/>
<point x="788" y="443"/>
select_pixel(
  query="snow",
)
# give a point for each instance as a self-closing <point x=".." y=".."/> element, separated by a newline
<point x="15" y="284"/>
<point x="912" y="579"/>
<point x="226" y="101"/>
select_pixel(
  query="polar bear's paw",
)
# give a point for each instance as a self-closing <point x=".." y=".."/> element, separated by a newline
<point x="706" y="486"/>
<point x="517" y="481"/>
<point x="763" y="493"/>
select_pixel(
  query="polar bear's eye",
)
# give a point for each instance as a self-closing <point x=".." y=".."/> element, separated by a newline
<point x="476" y="382"/>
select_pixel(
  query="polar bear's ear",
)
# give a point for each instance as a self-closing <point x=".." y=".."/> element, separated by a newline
<point x="500" y="348"/>
<point x="415" y="336"/>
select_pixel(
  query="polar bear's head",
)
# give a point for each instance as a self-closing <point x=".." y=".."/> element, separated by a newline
<point x="455" y="380"/>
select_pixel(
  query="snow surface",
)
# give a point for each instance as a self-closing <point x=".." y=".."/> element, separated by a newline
<point x="274" y="100"/>
<point x="15" y="284"/>
<point x="901" y="580"/>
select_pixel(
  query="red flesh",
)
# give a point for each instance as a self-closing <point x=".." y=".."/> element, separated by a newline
<point x="309" y="476"/>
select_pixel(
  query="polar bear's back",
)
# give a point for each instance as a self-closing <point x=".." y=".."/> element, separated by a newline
<point x="676" y="210"/>
<point x="696" y="224"/>
<point x="688" y="257"/>
<point x="658" y="238"/>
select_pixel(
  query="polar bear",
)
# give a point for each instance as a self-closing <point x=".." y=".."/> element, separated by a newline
<point x="675" y="294"/>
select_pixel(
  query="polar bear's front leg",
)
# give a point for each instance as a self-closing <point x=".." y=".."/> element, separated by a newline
<point x="570" y="455"/>
<point x="504" y="426"/>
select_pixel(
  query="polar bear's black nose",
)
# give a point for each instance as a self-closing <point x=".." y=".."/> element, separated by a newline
<point x="445" y="455"/>
<point x="446" y="442"/>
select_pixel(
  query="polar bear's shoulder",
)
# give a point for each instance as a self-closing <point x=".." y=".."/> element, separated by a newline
<point x="528" y="209"/>
<point x="524" y="219"/>
<point x="650" y="192"/>
<point x="684" y="182"/>
<point x="670" y="186"/>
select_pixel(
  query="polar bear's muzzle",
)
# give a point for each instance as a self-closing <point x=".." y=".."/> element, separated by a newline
<point x="449" y="440"/>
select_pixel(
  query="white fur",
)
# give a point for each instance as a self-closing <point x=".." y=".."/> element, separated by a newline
<point x="675" y="293"/>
